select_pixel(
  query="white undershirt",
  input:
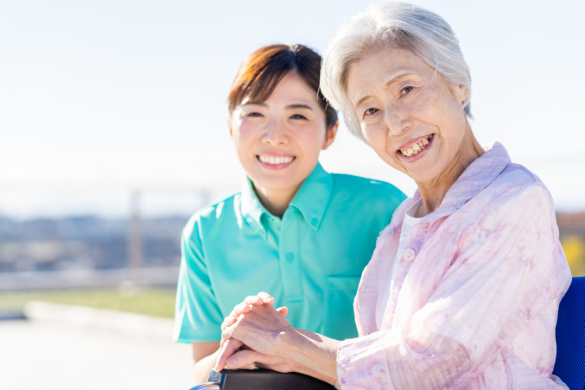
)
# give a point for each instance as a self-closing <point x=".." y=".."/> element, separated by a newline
<point x="388" y="269"/>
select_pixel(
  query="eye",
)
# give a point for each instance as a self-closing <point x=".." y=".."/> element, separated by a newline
<point x="406" y="90"/>
<point x="254" y="115"/>
<point x="370" y="111"/>
<point x="298" y="116"/>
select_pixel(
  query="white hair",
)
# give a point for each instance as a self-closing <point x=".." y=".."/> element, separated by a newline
<point x="399" y="25"/>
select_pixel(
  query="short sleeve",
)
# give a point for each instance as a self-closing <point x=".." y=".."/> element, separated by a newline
<point x="506" y="269"/>
<point x="197" y="314"/>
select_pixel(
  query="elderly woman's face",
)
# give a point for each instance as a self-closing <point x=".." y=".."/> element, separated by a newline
<point x="408" y="114"/>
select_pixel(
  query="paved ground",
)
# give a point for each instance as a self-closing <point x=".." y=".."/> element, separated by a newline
<point x="48" y="355"/>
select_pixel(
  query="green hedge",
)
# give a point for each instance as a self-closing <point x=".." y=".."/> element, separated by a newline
<point x="154" y="302"/>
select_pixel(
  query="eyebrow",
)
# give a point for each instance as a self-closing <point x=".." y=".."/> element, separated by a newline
<point x="300" y="105"/>
<point x="255" y="103"/>
<point x="290" y="106"/>
<point x="400" y="74"/>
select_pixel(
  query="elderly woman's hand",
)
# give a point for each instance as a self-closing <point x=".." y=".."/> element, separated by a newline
<point x="246" y="306"/>
<point x="258" y="328"/>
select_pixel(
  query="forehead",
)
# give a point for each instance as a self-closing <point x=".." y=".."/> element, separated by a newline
<point x="290" y="89"/>
<point x="380" y="67"/>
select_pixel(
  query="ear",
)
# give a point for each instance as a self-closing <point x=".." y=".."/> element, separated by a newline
<point x="461" y="93"/>
<point x="228" y="120"/>
<point x="330" y="136"/>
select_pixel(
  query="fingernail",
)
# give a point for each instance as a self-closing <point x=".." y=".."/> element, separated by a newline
<point x="230" y="362"/>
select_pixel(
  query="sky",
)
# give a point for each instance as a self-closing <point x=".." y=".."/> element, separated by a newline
<point x="102" y="98"/>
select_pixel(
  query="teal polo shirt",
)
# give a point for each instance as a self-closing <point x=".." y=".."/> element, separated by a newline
<point x="310" y="260"/>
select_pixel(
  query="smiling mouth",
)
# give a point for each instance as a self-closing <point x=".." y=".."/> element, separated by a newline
<point x="416" y="147"/>
<point x="275" y="160"/>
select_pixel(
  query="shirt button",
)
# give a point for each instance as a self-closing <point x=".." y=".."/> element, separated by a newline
<point x="408" y="254"/>
<point x="290" y="257"/>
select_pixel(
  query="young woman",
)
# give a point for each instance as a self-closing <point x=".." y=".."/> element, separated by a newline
<point x="294" y="230"/>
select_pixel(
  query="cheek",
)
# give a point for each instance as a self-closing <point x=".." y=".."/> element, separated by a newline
<point x="369" y="134"/>
<point x="311" y="139"/>
<point x="243" y="133"/>
<point x="376" y="138"/>
<point x="448" y="113"/>
<point x="241" y="142"/>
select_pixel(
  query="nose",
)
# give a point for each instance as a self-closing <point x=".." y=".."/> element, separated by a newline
<point x="396" y="119"/>
<point x="274" y="134"/>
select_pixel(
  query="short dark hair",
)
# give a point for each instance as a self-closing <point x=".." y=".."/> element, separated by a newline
<point x="264" y="68"/>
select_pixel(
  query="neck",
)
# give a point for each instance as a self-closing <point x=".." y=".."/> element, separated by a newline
<point x="275" y="201"/>
<point x="433" y="192"/>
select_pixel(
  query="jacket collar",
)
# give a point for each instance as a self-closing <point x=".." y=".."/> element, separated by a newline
<point x="478" y="175"/>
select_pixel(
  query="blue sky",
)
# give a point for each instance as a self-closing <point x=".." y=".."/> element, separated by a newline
<point x="98" y="98"/>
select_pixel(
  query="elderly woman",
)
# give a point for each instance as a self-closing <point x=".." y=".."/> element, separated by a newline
<point x="464" y="285"/>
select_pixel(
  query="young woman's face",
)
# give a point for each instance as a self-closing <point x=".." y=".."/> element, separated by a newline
<point x="278" y="140"/>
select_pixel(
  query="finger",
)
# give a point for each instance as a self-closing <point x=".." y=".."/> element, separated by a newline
<point x="253" y="300"/>
<point x="267" y="298"/>
<point x="227" y="350"/>
<point x="226" y="334"/>
<point x="243" y="359"/>
<point x="283" y="310"/>
<point x="240" y="309"/>
<point x="227" y="322"/>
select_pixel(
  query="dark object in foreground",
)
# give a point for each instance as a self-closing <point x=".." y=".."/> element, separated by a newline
<point x="570" y="332"/>
<point x="261" y="379"/>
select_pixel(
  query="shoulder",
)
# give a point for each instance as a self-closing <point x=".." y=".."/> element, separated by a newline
<point x="213" y="215"/>
<point x="366" y="188"/>
<point x="516" y="173"/>
<point x="516" y="184"/>
<point x="515" y="197"/>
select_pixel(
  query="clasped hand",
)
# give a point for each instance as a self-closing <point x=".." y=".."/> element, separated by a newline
<point x="251" y="333"/>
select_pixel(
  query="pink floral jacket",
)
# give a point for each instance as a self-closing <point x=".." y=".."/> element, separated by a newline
<point x="474" y="294"/>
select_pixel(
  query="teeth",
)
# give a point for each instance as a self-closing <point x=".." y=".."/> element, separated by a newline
<point x="415" y="148"/>
<point x="274" y="160"/>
